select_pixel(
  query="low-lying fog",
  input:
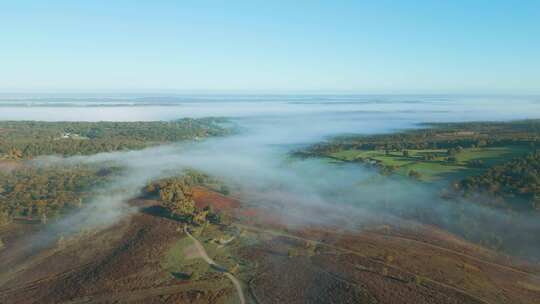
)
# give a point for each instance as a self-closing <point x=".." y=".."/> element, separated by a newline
<point x="256" y="159"/>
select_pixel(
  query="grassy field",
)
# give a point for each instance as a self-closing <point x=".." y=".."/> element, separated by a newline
<point x="439" y="167"/>
<point x="183" y="262"/>
<point x="182" y="267"/>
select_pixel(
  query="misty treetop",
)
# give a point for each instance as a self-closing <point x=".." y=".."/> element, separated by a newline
<point x="27" y="139"/>
<point x="516" y="182"/>
<point x="48" y="192"/>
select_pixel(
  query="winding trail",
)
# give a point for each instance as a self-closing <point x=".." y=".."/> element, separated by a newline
<point x="211" y="262"/>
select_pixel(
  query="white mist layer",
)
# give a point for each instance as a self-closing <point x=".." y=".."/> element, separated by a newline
<point x="256" y="160"/>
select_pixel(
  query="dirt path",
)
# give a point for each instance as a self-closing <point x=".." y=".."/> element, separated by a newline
<point x="207" y="259"/>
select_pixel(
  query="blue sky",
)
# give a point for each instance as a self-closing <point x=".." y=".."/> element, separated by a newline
<point x="270" y="46"/>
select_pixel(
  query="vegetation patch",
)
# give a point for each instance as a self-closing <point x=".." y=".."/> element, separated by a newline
<point x="42" y="193"/>
<point x="180" y="265"/>
<point x="434" y="164"/>
<point x="28" y="139"/>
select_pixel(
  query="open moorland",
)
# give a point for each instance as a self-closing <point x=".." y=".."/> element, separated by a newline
<point x="149" y="258"/>
<point x="192" y="238"/>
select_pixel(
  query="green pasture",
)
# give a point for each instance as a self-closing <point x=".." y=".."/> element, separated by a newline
<point x="439" y="167"/>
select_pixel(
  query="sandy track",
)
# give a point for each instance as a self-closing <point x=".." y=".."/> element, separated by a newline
<point x="210" y="261"/>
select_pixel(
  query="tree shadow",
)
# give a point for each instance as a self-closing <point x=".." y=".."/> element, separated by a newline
<point x="217" y="268"/>
<point x="160" y="211"/>
<point x="181" y="275"/>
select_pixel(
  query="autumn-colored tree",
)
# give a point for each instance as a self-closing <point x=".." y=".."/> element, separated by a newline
<point x="181" y="208"/>
<point x="200" y="217"/>
<point x="177" y="198"/>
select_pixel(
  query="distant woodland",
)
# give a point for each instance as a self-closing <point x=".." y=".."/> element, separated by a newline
<point x="440" y="136"/>
<point x="27" y="139"/>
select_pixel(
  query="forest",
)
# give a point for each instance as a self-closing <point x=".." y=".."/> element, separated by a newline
<point x="438" y="136"/>
<point x="28" y="139"/>
<point x="48" y="193"/>
<point x="43" y="193"/>
<point x="515" y="183"/>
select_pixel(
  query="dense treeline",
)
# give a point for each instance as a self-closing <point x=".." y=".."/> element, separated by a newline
<point x="515" y="183"/>
<point x="27" y="139"/>
<point x="42" y="193"/>
<point x="438" y="136"/>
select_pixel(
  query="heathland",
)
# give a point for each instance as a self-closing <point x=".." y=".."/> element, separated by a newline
<point x="195" y="238"/>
